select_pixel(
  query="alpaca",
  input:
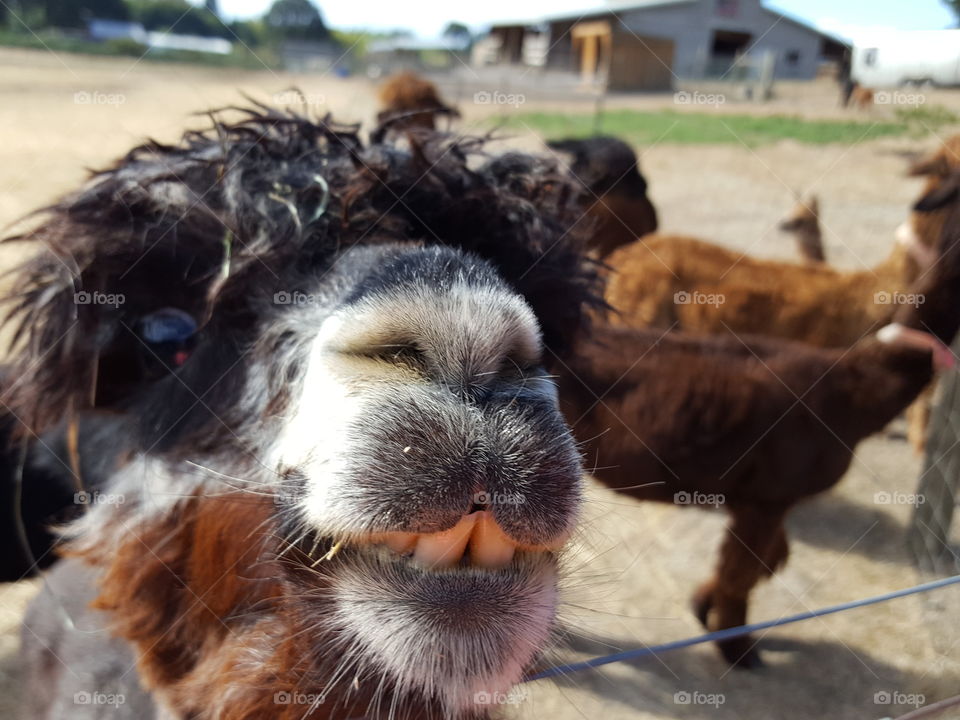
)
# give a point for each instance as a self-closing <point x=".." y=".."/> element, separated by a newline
<point x="617" y="210"/>
<point x="661" y="281"/>
<point x="753" y="424"/>
<point x="340" y="504"/>
<point x="938" y="168"/>
<point x="862" y="97"/>
<point x="803" y="223"/>
<point x="43" y="481"/>
<point x="410" y="101"/>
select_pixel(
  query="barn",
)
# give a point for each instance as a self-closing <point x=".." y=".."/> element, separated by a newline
<point x="650" y="44"/>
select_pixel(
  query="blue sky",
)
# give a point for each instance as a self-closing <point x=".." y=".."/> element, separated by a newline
<point x="427" y="17"/>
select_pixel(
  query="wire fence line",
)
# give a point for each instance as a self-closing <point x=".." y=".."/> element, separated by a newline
<point x="733" y="632"/>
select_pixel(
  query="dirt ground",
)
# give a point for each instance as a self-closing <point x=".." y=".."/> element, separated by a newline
<point x="636" y="564"/>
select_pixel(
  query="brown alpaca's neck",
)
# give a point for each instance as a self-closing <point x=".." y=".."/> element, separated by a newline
<point x="810" y="245"/>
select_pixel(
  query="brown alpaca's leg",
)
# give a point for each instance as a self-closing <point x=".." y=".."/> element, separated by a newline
<point x="754" y="547"/>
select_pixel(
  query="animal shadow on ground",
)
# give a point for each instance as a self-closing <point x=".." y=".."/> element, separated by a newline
<point x="834" y="522"/>
<point x="802" y="679"/>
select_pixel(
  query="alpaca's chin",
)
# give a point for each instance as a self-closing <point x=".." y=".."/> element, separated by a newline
<point x="462" y="635"/>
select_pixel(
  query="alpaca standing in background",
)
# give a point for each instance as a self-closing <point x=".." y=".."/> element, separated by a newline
<point x="340" y="504"/>
<point x="754" y="425"/>
<point x="410" y="101"/>
<point x="817" y="304"/>
<point x="617" y="209"/>
<point x="803" y="223"/>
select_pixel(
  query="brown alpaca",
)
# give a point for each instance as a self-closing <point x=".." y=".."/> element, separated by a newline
<point x="651" y="280"/>
<point x="669" y="281"/>
<point x="803" y="223"/>
<point x="617" y="209"/>
<point x="410" y="101"/>
<point x="754" y="424"/>
<point x="862" y="97"/>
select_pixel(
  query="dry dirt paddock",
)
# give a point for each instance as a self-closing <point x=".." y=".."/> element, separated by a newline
<point x="630" y="580"/>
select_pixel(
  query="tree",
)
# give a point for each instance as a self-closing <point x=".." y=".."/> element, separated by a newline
<point x="954" y="5"/>
<point x="179" y="16"/>
<point x="75" y="13"/>
<point x="299" y="19"/>
<point x="212" y="6"/>
<point x="460" y="35"/>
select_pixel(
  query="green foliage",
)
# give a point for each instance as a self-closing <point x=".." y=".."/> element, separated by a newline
<point x="178" y="16"/>
<point x="296" y="19"/>
<point x="700" y="128"/>
<point x="47" y="40"/>
<point x="124" y="46"/>
<point x="75" y="13"/>
<point x="926" y="118"/>
<point x="954" y="5"/>
<point x="458" y="32"/>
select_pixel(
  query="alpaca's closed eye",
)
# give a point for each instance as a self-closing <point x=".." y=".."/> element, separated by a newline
<point x="408" y="354"/>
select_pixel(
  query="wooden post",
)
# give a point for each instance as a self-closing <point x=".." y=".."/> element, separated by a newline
<point x="928" y="537"/>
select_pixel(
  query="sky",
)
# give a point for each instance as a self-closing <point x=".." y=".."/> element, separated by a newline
<point x="427" y="18"/>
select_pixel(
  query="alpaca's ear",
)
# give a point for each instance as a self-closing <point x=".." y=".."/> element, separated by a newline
<point x="935" y="164"/>
<point x="813" y="205"/>
<point x="945" y="192"/>
<point x="59" y="325"/>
